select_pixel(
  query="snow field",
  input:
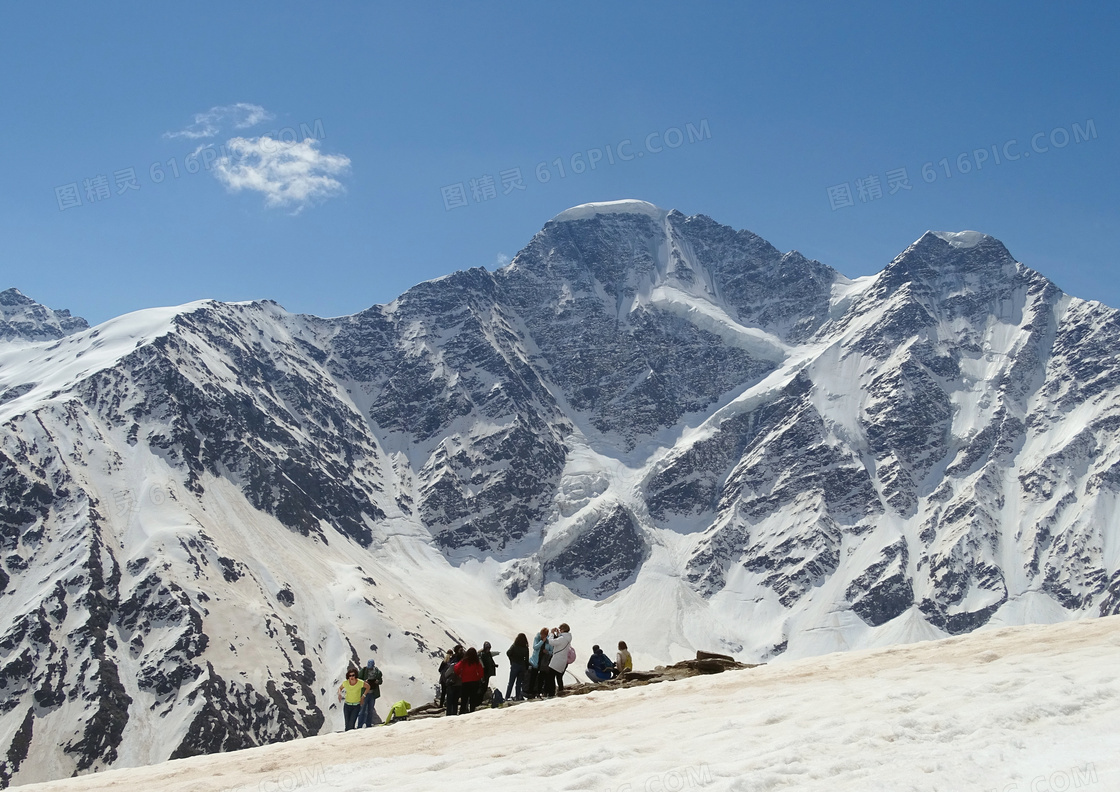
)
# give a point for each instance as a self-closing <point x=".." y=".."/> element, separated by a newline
<point x="1022" y="708"/>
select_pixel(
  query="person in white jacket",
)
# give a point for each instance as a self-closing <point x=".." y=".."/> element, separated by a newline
<point x="561" y="639"/>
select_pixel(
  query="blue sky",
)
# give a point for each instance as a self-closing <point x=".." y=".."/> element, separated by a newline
<point x="803" y="122"/>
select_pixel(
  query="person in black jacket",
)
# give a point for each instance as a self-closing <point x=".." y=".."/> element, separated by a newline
<point x="450" y="686"/>
<point x="518" y="655"/>
<point x="491" y="668"/>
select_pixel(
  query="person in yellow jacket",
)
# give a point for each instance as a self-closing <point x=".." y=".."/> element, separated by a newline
<point x="353" y="690"/>
<point x="623" y="662"/>
<point x="398" y="711"/>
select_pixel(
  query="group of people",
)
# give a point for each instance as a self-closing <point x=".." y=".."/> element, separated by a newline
<point x="464" y="676"/>
<point x="360" y="692"/>
<point x="601" y="668"/>
<point x="535" y="671"/>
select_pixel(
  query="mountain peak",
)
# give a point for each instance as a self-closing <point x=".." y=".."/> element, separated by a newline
<point x="14" y="297"/>
<point x="960" y="245"/>
<point x="23" y="319"/>
<point x="939" y="255"/>
<point x="962" y="239"/>
<point x="628" y="206"/>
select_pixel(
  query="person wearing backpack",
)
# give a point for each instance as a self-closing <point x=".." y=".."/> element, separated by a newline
<point x="518" y="655"/>
<point x="561" y="641"/>
<point x="372" y="676"/>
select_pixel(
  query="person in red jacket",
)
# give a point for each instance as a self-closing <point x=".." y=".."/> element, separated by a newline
<point x="471" y="671"/>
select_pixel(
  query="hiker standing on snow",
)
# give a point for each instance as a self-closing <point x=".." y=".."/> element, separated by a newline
<point x="561" y="641"/>
<point x="449" y="660"/>
<point x="489" y="667"/>
<point x="352" y="690"/>
<point x="450" y="683"/>
<point x="371" y="675"/>
<point x="470" y="670"/>
<point x="518" y="655"/>
<point x="538" y="663"/>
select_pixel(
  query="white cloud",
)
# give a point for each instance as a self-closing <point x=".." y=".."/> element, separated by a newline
<point x="248" y="115"/>
<point x="502" y="260"/>
<point x="287" y="174"/>
<point x="241" y="116"/>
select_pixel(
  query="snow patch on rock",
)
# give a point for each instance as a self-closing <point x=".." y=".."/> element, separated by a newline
<point x="961" y="239"/>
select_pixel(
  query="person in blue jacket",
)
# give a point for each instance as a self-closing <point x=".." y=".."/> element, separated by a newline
<point x="599" y="667"/>
<point x="538" y="664"/>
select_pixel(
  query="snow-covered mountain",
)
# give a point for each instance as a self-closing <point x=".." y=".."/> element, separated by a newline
<point x="23" y="319"/>
<point x="651" y="426"/>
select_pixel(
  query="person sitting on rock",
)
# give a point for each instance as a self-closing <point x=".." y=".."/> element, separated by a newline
<point x="623" y="662"/>
<point x="599" y="666"/>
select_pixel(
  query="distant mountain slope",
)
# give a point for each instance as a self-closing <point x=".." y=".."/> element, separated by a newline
<point x="649" y="425"/>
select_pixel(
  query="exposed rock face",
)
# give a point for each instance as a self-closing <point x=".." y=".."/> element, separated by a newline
<point x="604" y="557"/>
<point x="612" y="343"/>
<point x="661" y="424"/>
<point x="23" y="319"/>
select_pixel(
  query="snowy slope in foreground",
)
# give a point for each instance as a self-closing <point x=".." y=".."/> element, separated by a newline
<point x="1021" y="708"/>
